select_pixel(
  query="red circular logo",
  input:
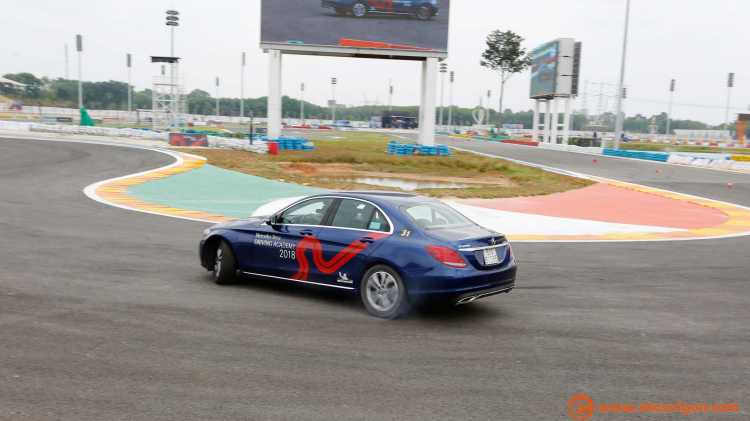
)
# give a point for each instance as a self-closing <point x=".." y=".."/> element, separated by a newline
<point x="580" y="407"/>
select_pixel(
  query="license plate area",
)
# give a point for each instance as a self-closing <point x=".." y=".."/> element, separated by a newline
<point x="490" y="257"/>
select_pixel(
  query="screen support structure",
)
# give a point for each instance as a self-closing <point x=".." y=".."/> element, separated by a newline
<point x="274" y="94"/>
<point x="427" y="99"/>
<point x="550" y="126"/>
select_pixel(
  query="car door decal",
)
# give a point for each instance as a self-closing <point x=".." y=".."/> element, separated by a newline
<point x="383" y="5"/>
<point x="332" y="265"/>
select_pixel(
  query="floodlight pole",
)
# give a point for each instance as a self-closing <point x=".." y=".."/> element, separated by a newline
<point x="669" y="110"/>
<point x="242" y="89"/>
<point x="79" y="48"/>
<point x="390" y="95"/>
<point x="333" y="106"/>
<point x="217" y="97"/>
<point x="130" y="87"/>
<point x="450" y="104"/>
<point x="443" y="70"/>
<point x="302" y="103"/>
<point x="618" y="125"/>
<point x="730" y="84"/>
<point x="489" y="105"/>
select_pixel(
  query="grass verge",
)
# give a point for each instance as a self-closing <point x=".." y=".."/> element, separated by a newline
<point x="353" y="156"/>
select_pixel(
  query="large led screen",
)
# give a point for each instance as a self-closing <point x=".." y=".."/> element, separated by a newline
<point x="417" y="25"/>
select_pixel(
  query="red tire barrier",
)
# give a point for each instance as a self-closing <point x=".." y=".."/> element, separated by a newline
<point x="520" y="142"/>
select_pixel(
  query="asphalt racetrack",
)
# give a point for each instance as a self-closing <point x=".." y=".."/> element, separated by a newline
<point x="106" y="314"/>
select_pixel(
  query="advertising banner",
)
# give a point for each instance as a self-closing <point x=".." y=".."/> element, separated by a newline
<point x="65" y="119"/>
<point x="513" y="126"/>
<point x="188" y="139"/>
<point x="420" y="26"/>
<point x="543" y="69"/>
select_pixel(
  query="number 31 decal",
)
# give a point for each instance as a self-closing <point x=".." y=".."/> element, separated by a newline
<point x="406" y="232"/>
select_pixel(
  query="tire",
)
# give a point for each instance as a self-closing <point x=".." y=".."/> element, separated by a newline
<point x="341" y="12"/>
<point x="383" y="292"/>
<point x="425" y="12"/>
<point x="225" y="264"/>
<point x="360" y="9"/>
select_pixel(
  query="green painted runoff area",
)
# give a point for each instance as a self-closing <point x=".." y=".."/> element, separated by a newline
<point x="217" y="191"/>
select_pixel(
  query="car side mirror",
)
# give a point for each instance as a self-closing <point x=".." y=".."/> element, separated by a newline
<point x="270" y="220"/>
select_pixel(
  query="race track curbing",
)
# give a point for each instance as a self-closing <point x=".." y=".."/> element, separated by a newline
<point x="115" y="192"/>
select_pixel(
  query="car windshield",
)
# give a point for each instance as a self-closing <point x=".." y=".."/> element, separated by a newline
<point x="435" y="216"/>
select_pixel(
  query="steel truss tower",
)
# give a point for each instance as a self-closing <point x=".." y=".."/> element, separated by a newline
<point x="169" y="105"/>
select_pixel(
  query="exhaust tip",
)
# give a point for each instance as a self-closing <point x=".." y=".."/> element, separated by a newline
<point x="466" y="300"/>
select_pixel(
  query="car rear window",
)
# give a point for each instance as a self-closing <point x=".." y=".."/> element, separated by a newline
<point x="435" y="216"/>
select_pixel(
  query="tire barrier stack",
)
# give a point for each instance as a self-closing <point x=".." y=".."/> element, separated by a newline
<point x="520" y="142"/>
<point x="255" y="146"/>
<point x="400" y="149"/>
<point x="650" y="156"/>
<point x="12" y="125"/>
<point x="289" y="143"/>
<point x="571" y="148"/>
<point x="721" y="163"/>
<point x="143" y="134"/>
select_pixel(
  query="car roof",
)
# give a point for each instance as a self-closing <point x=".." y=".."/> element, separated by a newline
<point x="394" y="197"/>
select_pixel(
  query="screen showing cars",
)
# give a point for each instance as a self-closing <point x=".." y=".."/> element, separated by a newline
<point x="543" y="69"/>
<point x="417" y="25"/>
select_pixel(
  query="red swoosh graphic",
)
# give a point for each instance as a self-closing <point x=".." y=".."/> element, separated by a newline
<point x="332" y="265"/>
<point x="385" y="3"/>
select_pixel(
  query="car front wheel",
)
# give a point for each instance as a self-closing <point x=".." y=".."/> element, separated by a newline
<point x="359" y="9"/>
<point x="383" y="292"/>
<point x="424" y="12"/>
<point x="225" y="264"/>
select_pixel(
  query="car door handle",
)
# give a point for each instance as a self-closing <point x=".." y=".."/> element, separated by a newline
<point x="367" y="240"/>
<point x="307" y="232"/>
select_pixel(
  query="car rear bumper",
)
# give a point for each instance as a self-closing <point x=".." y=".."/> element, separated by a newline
<point x="461" y="285"/>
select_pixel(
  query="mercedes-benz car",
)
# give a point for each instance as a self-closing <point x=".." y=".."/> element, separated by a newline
<point x="421" y="9"/>
<point x="392" y="249"/>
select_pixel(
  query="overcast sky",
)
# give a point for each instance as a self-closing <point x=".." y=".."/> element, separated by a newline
<point x="697" y="42"/>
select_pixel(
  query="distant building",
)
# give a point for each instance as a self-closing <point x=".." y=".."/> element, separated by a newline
<point x="386" y="119"/>
<point x="332" y="104"/>
<point x="702" y="134"/>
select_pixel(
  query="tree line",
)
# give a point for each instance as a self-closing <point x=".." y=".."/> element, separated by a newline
<point x="113" y="95"/>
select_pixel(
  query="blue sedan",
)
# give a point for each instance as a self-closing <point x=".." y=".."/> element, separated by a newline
<point x="421" y="9"/>
<point x="390" y="248"/>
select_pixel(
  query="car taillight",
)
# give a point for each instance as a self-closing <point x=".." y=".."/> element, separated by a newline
<point x="512" y="257"/>
<point x="447" y="256"/>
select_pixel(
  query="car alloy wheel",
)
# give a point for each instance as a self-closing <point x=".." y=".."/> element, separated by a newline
<point x="217" y="263"/>
<point x="424" y="12"/>
<point x="382" y="291"/>
<point x="359" y="9"/>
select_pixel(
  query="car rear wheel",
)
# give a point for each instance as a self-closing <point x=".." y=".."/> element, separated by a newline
<point x="359" y="9"/>
<point x="383" y="292"/>
<point x="225" y="264"/>
<point x="424" y="12"/>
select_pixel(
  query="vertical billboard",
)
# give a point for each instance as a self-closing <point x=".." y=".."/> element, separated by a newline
<point x="326" y="26"/>
<point x="544" y="69"/>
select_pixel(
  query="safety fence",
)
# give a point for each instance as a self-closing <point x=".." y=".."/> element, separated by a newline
<point x="256" y="146"/>
<point x="720" y="163"/>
